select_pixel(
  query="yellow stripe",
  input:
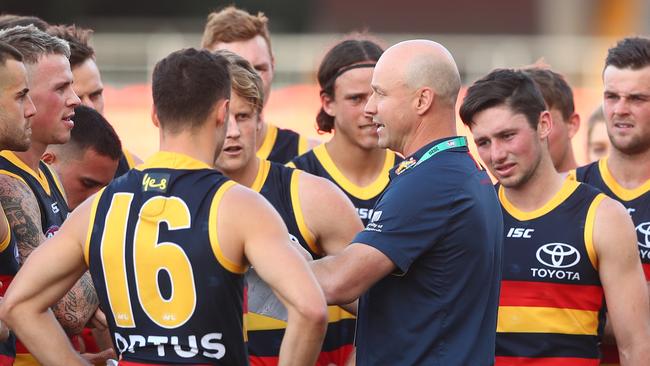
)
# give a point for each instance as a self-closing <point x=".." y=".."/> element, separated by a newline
<point x="7" y="239"/>
<point x="91" y="224"/>
<point x="572" y="175"/>
<point x="269" y="140"/>
<point x="262" y="173"/>
<point x="300" y="219"/>
<point x="523" y="319"/>
<point x="57" y="182"/>
<point x="129" y="158"/>
<point x="363" y="193"/>
<point x="13" y="175"/>
<point x="15" y="160"/>
<point x="303" y="147"/>
<point x="261" y="322"/>
<point x="589" y="229"/>
<point x="290" y="165"/>
<point x="620" y="191"/>
<point x="567" y="188"/>
<point x="172" y="160"/>
<point x="212" y="231"/>
<point x="255" y="321"/>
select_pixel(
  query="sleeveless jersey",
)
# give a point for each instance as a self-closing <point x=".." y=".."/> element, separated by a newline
<point x="279" y="185"/>
<point x="169" y="294"/>
<point x="551" y="305"/>
<point x="46" y="188"/>
<point x="53" y="208"/>
<point x="318" y="162"/>
<point x="8" y="267"/>
<point x="637" y="202"/>
<point x="281" y="145"/>
<point x="125" y="163"/>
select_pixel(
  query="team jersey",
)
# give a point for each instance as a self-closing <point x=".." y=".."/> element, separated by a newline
<point x="125" y="163"/>
<point x="551" y="307"/>
<point x="281" y="145"/>
<point x="318" y="162"/>
<point x="48" y="192"/>
<point x="636" y="201"/>
<point x="279" y="185"/>
<point x="46" y="188"/>
<point x="169" y="294"/>
<point x="8" y="267"/>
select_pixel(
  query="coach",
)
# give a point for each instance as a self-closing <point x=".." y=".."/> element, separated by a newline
<point x="427" y="266"/>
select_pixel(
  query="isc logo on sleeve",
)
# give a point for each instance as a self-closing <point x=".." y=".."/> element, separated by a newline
<point x="519" y="232"/>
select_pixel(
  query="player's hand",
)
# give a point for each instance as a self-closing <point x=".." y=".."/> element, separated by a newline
<point x="100" y="357"/>
<point x="98" y="321"/>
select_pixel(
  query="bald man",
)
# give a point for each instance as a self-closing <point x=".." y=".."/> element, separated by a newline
<point x="427" y="266"/>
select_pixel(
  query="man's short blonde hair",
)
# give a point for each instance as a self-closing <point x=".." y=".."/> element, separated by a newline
<point x="246" y="82"/>
<point x="232" y="25"/>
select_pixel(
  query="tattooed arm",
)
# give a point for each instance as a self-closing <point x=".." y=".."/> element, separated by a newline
<point x="22" y="210"/>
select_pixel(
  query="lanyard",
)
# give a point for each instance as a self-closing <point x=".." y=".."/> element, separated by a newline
<point x="460" y="141"/>
<point x="445" y="145"/>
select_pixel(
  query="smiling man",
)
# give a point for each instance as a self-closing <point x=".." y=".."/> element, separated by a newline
<point x="567" y="247"/>
<point x="420" y="305"/>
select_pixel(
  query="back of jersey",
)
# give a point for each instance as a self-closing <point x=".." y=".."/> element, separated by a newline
<point x="169" y="294"/>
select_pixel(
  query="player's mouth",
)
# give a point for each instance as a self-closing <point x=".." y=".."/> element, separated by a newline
<point x="504" y="169"/>
<point x="67" y="120"/>
<point x="232" y="150"/>
<point x="380" y="126"/>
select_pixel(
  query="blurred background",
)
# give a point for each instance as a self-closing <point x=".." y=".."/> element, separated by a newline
<point x="571" y="36"/>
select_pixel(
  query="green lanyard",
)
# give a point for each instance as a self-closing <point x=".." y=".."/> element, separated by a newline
<point x="460" y="141"/>
<point x="445" y="145"/>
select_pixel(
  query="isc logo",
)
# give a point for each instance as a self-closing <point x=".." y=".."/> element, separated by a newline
<point x="519" y="232"/>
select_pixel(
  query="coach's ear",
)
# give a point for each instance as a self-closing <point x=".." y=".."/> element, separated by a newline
<point x="49" y="157"/>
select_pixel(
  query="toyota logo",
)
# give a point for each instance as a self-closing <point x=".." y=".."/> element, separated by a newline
<point x="643" y="234"/>
<point x="558" y="255"/>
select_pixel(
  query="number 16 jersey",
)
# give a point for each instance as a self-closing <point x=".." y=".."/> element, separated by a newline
<point x="169" y="294"/>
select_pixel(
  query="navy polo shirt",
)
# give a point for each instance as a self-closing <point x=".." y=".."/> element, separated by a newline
<point x="441" y="224"/>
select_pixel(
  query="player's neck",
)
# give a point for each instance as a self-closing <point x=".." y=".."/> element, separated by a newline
<point x="32" y="156"/>
<point x="246" y="176"/>
<point x="539" y="189"/>
<point x="568" y="163"/>
<point x="261" y="134"/>
<point x="200" y="146"/>
<point x="630" y="171"/>
<point x="360" y="166"/>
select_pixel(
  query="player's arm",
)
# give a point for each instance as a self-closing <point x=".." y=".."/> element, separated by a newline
<point x="267" y="249"/>
<point x="73" y="310"/>
<point x="49" y="272"/>
<point x="329" y="214"/>
<point x="347" y="275"/>
<point x="623" y="282"/>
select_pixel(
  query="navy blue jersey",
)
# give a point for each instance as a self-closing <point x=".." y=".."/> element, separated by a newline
<point x="125" y="163"/>
<point x="441" y="225"/>
<point x="46" y="188"/>
<point x="279" y="185"/>
<point x="169" y="294"/>
<point x="552" y="302"/>
<point x="318" y="162"/>
<point x="281" y="145"/>
<point x="636" y="201"/>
